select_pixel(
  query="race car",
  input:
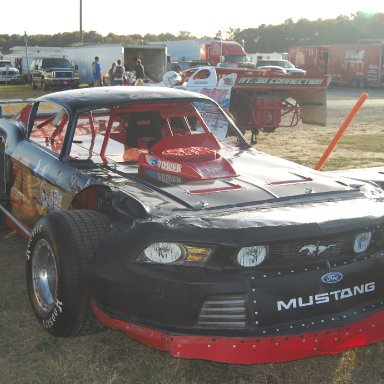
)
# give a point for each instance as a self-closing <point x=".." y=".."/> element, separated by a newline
<point x="263" y="98"/>
<point x="146" y="210"/>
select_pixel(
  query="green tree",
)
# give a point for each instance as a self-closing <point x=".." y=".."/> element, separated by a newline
<point x="264" y="38"/>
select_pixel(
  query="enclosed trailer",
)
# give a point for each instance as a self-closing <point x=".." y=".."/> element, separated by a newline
<point x="359" y="65"/>
<point x="153" y="57"/>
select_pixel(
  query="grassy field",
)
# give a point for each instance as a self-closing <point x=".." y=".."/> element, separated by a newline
<point x="28" y="355"/>
<point x="22" y="91"/>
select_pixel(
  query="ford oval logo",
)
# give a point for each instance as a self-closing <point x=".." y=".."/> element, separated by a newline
<point x="152" y="161"/>
<point x="332" y="277"/>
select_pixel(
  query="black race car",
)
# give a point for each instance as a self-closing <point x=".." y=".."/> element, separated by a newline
<point x="147" y="209"/>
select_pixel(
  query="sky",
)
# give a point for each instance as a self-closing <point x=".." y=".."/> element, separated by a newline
<point x="200" y="18"/>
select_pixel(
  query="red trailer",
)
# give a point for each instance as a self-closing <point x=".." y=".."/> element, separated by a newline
<point x="359" y="65"/>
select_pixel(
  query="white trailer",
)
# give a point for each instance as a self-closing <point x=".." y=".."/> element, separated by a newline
<point x="186" y="50"/>
<point x="254" y="57"/>
<point x="153" y="57"/>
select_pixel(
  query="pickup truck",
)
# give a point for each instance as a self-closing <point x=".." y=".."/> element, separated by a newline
<point x="9" y="74"/>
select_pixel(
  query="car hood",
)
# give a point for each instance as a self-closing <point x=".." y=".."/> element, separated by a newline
<point x="262" y="182"/>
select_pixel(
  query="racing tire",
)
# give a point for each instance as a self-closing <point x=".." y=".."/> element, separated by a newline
<point x="58" y="254"/>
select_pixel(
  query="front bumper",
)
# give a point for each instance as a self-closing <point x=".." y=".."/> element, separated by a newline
<point x="255" y="350"/>
<point x="244" y="315"/>
<point x="11" y="79"/>
<point x="64" y="82"/>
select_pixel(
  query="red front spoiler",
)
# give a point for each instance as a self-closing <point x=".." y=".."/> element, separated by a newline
<point x="255" y="350"/>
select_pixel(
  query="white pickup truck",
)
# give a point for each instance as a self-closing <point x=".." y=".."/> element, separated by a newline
<point x="9" y="73"/>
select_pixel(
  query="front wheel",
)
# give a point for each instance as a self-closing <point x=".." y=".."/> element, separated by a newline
<point x="58" y="253"/>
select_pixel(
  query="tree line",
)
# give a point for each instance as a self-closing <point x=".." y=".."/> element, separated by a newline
<point x="264" y="38"/>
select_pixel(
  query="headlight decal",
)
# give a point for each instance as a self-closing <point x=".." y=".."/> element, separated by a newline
<point x="253" y="256"/>
<point x="163" y="253"/>
<point x="362" y="241"/>
<point x="175" y="253"/>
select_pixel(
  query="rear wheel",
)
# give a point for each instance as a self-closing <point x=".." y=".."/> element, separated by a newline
<point x="58" y="253"/>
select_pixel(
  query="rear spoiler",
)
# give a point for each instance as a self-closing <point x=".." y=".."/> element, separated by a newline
<point x="309" y="92"/>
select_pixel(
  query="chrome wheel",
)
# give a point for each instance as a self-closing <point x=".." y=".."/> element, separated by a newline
<point x="44" y="275"/>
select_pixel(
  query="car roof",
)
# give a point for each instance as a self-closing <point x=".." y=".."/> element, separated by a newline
<point x="101" y="97"/>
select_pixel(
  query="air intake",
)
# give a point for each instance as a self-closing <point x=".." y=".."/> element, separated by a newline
<point x="224" y="311"/>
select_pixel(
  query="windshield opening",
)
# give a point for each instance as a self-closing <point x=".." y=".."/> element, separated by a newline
<point x="56" y="63"/>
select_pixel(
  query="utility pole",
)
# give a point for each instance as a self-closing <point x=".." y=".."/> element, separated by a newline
<point x="26" y="51"/>
<point x="81" y="21"/>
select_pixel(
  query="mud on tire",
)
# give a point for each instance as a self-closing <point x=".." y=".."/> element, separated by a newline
<point x="58" y="253"/>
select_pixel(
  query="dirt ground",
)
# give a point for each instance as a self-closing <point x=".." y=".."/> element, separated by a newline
<point x="306" y="144"/>
<point x="25" y="348"/>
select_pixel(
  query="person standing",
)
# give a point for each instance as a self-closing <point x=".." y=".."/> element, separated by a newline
<point x="139" y="69"/>
<point x="111" y="73"/>
<point x="96" y="73"/>
<point x="119" y="71"/>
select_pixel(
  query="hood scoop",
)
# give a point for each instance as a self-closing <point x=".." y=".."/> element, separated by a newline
<point x="192" y="157"/>
<point x="192" y="163"/>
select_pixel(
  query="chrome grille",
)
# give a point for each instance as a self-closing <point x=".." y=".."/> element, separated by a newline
<point x="9" y="73"/>
<point x="310" y="251"/>
<point x="224" y="311"/>
<point x="61" y="74"/>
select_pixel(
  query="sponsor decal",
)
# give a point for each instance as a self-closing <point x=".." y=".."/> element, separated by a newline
<point x="216" y="94"/>
<point x="57" y="309"/>
<point x="222" y="96"/>
<point x="165" y="165"/>
<point x="279" y="81"/>
<point x="51" y="199"/>
<point x="315" y="249"/>
<point x="327" y="297"/>
<point x="213" y="171"/>
<point x="332" y="277"/>
<point x="152" y="161"/>
<point x="164" y="177"/>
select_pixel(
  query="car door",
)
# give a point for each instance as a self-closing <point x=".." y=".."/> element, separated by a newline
<point x="39" y="173"/>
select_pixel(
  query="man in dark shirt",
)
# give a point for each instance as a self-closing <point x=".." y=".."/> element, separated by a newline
<point x="139" y="69"/>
